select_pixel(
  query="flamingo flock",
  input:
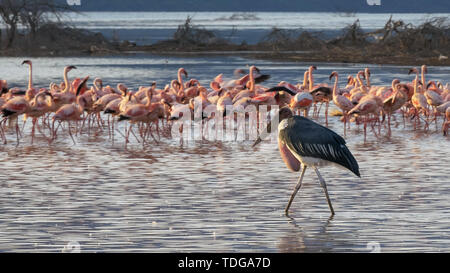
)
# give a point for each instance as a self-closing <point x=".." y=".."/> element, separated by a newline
<point x="79" y="108"/>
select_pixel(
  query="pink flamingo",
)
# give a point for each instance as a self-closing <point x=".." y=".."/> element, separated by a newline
<point x="394" y="102"/>
<point x="138" y="112"/>
<point x="70" y="112"/>
<point x="341" y="101"/>
<point x="66" y="96"/>
<point x="446" y="124"/>
<point x="40" y="105"/>
<point x="3" y="87"/>
<point x="15" y="107"/>
<point x="418" y="100"/>
<point x="252" y="90"/>
<point x="30" y="76"/>
<point x="369" y="104"/>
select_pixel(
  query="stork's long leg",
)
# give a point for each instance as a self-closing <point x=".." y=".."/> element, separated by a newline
<point x="297" y="188"/>
<point x="324" y="186"/>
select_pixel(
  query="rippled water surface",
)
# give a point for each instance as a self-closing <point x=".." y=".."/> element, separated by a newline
<point x="217" y="196"/>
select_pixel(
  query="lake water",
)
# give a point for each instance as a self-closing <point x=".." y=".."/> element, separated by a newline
<point x="150" y="27"/>
<point x="217" y="196"/>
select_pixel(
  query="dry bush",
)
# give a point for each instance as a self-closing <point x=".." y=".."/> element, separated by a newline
<point x="283" y="39"/>
<point x="189" y="35"/>
<point x="352" y="35"/>
<point x="433" y="35"/>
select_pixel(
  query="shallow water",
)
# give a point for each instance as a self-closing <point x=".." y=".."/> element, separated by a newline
<point x="218" y="196"/>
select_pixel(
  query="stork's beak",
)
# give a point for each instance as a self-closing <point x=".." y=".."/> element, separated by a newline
<point x="258" y="140"/>
<point x="266" y="132"/>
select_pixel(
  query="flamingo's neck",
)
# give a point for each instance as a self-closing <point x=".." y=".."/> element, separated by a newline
<point x="305" y="79"/>
<point x="335" y="87"/>
<point x="367" y="79"/>
<point x="252" y="79"/>
<point x="97" y="88"/>
<point x="311" y="79"/>
<point x="149" y="97"/>
<point x="66" y="82"/>
<point x="173" y="84"/>
<point x="416" y="83"/>
<point x="30" y="77"/>
<point x="28" y="95"/>
<point x="394" y="84"/>
<point x="423" y="77"/>
<point x="360" y="82"/>
<point x="180" y="80"/>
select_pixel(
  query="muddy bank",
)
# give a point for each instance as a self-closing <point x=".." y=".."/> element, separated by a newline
<point x="397" y="43"/>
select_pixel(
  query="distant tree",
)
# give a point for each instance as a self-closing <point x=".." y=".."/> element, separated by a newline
<point x="38" y="12"/>
<point x="10" y="11"/>
<point x="30" y="13"/>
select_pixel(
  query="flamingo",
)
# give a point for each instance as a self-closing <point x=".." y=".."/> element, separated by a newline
<point x="433" y="97"/>
<point x="341" y="101"/>
<point x="394" y="102"/>
<point x="359" y="91"/>
<point x="138" y="112"/>
<point x="70" y="112"/>
<point x="14" y="108"/>
<point x="321" y="93"/>
<point x="223" y="102"/>
<point x="252" y="90"/>
<point x="446" y="124"/>
<point x="66" y="96"/>
<point x="369" y="104"/>
<point x="418" y="100"/>
<point x="3" y="87"/>
<point x="30" y="76"/>
<point x="41" y="104"/>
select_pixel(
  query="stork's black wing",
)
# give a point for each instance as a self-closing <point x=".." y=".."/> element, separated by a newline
<point x="310" y="139"/>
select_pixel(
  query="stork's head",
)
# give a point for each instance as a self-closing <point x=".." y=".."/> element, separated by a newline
<point x="284" y="113"/>
<point x="28" y="62"/>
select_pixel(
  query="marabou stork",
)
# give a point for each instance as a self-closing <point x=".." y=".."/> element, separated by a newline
<point x="303" y="142"/>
